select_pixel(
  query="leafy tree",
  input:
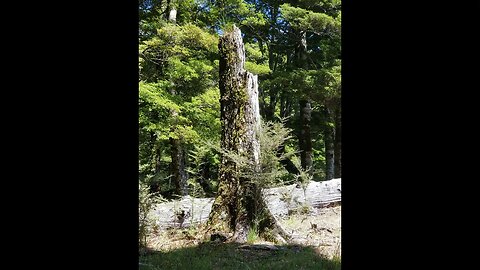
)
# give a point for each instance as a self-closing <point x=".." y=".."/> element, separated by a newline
<point x="178" y="73"/>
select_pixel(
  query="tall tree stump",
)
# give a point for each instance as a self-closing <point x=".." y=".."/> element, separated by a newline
<point x="233" y="208"/>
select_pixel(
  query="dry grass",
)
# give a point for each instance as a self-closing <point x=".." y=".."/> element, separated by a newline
<point x="321" y="229"/>
<point x="175" y="238"/>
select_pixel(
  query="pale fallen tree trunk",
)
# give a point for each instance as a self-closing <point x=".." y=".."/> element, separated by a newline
<point x="182" y="213"/>
<point x="284" y="200"/>
<point x="280" y="201"/>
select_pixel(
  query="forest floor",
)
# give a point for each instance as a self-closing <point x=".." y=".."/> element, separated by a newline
<point x="316" y="245"/>
<point x="321" y="228"/>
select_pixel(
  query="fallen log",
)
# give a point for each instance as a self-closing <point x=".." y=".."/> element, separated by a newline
<point x="182" y="213"/>
<point x="280" y="201"/>
<point x="284" y="200"/>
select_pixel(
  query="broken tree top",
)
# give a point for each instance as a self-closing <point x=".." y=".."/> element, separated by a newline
<point x="236" y="84"/>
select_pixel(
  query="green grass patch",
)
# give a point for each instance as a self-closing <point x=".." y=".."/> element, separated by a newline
<point x="252" y="235"/>
<point x="228" y="256"/>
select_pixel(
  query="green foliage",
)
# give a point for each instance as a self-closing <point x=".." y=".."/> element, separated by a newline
<point x="178" y="94"/>
<point x="303" y="178"/>
<point x="252" y="234"/>
<point x="305" y="19"/>
<point x="204" y="112"/>
<point x="155" y="95"/>
<point x="270" y="136"/>
<point x="254" y="53"/>
<point x="155" y="103"/>
<point x="204" y="155"/>
<point x="256" y="61"/>
<point x="255" y="19"/>
<point x="257" y="69"/>
<point x="239" y="12"/>
<point x="176" y="51"/>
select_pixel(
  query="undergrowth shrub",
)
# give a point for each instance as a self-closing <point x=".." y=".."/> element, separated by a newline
<point x="146" y="203"/>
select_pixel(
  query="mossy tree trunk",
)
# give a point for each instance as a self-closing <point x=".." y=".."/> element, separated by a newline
<point x="234" y="207"/>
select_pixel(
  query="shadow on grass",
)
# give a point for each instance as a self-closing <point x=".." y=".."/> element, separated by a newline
<point x="229" y="256"/>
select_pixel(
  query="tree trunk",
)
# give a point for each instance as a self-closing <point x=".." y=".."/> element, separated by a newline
<point x="305" y="138"/>
<point x="178" y="167"/>
<point x="270" y="111"/>
<point x="167" y="9"/>
<point x="203" y="180"/>
<point x="172" y="16"/>
<point x="171" y="11"/>
<point x="234" y="207"/>
<point x="285" y="105"/>
<point x="157" y="157"/>
<point x="338" y="143"/>
<point x="329" y="135"/>
<point x="178" y="153"/>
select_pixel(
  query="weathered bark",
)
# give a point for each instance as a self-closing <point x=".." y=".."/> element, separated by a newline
<point x="338" y="144"/>
<point x="234" y="206"/>
<point x="305" y="138"/>
<point x="329" y="137"/>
